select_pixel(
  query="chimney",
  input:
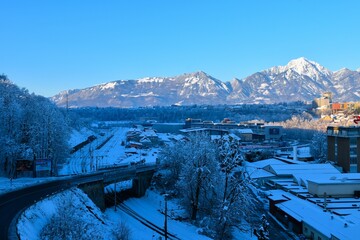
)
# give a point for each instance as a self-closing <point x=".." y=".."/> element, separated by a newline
<point x="295" y="153"/>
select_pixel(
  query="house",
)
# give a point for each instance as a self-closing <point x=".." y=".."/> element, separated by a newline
<point x="133" y="135"/>
<point x="135" y="145"/>
<point x="131" y="151"/>
<point x="151" y="135"/>
<point x="246" y="134"/>
<point x="146" y="142"/>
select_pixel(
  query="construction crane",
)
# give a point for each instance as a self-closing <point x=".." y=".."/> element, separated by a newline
<point x="356" y="119"/>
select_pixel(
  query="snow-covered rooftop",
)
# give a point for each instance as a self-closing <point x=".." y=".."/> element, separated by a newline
<point x="264" y="163"/>
<point x="325" y="222"/>
<point x="244" y="131"/>
<point x="292" y="169"/>
<point x="340" y="178"/>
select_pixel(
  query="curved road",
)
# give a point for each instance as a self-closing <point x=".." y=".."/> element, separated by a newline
<point x="14" y="202"/>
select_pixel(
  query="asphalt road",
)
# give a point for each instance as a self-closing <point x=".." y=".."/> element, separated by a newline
<point x="14" y="202"/>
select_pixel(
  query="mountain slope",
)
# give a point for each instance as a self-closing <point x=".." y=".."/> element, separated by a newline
<point x="299" y="80"/>
<point x="186" y="89"/>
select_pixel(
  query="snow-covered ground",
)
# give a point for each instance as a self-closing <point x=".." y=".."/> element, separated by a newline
<point x="88" y="158"/>
<point x="79" y="208"/>
<point x="102" y="225"/>
<point x="149" y="207"/>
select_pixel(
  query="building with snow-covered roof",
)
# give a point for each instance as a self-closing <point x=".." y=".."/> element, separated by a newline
<point x="259" y="132"/>
<point x="210" y="131"/>
<point x="310" y="219"/>
<point x="288" y="170"/>
<point x="265" y="162"/>
<point x="245" y="134"/>
<point x="340" y="185"/>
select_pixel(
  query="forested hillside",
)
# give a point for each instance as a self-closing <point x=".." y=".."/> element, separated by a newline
<point x="31" y="127"/>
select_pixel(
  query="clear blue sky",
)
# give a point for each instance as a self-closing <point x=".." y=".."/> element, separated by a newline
<point x="50" y="46"/>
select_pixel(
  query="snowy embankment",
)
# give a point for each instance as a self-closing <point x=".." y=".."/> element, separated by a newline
<point x="79" y="212"/>
<point x="83" y="214"/>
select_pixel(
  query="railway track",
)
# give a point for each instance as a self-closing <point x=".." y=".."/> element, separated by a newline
<point x="146" y="222"/>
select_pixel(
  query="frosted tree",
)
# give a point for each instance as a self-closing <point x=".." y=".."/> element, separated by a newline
<point x="48" y="130"/>
<point x="237" y="201"/>
<point x="262" y="232"/>
<point x="172" y="159"/>
<point x="319" y="146"/>
<point x="211" y="183"/>
<point x="191" y="168"/>
<point x="10" y="123"/>
<point x="30" y="127"/>
<point x="69" y="223"/>
<point x="198" y="175"/>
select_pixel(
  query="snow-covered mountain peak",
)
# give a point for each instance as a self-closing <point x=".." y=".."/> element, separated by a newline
<point x="298" y="80"/>
<point x="306" y="67"/>
<point x="342" y="71"/>
<point x="301" y="66"/>
<point x="110" y="85"/>
<point x="198" y="75"/>
<point x="151" y="80"/>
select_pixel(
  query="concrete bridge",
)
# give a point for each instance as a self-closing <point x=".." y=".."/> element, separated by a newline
<point x="140" y="175"/>
<point x="12" y="204"/>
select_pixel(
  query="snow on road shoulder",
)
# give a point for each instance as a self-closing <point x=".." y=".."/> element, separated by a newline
<point x="7" y="185"/>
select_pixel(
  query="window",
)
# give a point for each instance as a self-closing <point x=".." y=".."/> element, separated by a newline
<point x="319" y="238"/>
<point x="353" y="159"/>
<point x="353" y="141"/>
<point x="274" y="131"/>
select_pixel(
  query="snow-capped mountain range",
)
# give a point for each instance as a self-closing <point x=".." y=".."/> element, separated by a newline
<point x="299" y="80"/>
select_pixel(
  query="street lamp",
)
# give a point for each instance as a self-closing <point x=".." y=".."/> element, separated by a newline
<point x="165" y="221"/>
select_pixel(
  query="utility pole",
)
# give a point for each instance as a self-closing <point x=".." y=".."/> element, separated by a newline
<point x="115" y="198"/>
<point x="165" y="223"/>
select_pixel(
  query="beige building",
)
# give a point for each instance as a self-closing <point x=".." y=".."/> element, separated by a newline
<point x="339" y="185"/>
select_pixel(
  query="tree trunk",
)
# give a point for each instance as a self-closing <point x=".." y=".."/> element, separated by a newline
<point x="226" y="186"/>
<point x="196" y="200"/>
